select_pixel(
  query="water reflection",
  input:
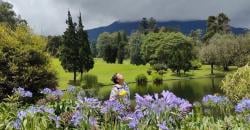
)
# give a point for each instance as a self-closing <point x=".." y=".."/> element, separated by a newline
<point x="192" y="89"/>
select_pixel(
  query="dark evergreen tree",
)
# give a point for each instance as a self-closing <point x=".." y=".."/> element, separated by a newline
<point x="69" y="55"/>
<point x="120" y="48"/>
<point x="143" y="26"/>
<point x="109" y="53"/>
<point x="86" y="61"/>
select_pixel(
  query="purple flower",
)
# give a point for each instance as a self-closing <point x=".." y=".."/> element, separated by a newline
<point x="21" y="115"/>
<point x="185" y="106"/>
<point x="243" y="105"/>
<point x="162" y="126"/>
<point x="112" y="106"/>
<point x="133" y="123"/>
<point x="215" y="99"/>
<point x="17" y="124"/>
<point x="20" y="91"/>
<point x="158" y="104"/>
<point x="89" y="102"/>
<point x="71" y="88"/>
<point x="47" y="109"/>
<point x="46" y="91"/>
<point x="57" y="92"/>
<point x="56" y="119"/>
<point x="76" y="118"/>
<point x="33" y="110"/>
<point x="92" y="121"/>
<point x="28" y="94"/>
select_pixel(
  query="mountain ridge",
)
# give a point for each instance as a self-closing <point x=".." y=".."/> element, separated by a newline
<point x="183" y="26"/>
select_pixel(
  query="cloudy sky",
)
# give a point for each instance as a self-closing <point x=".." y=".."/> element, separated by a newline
<point x="48" y="16"/>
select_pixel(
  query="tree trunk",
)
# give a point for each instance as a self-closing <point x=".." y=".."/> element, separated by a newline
<point x="81" y="75"/>
<point x="212" y="69"/>
<point x="225" y="67"/>
<point x="74" y="77"/>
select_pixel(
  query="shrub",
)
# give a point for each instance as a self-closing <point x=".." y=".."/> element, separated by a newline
<point x="141" y="80"/>
<point x="217" y="106"/>
<point x="196" y="64"/>
<point x="157" y="79"/>
<point x="89" y="81"/>
<point x="161" y="72"/>
<point x="149" y="71"/>
<point x="236" y="85"/>
<point x="158" y="67"/>
<point x="23" y="63"/>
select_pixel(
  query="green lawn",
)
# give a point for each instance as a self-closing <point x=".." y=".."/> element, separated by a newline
<point x="104" y="72"/>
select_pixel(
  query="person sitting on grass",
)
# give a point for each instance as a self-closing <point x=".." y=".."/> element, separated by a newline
<point x="120" y="90"/>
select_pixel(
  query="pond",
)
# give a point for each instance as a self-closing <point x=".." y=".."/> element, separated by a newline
<point x="190" y="89"/>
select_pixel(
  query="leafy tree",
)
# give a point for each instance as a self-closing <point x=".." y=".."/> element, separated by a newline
<point x="172" y="49"/>
<point x="86" y="61"/>
<point x="69" y="55"/>
<point x="146" y="26"/>
<point x="242" y="56"/>
<point x="110" y="53"/>
<point x="208" y="55"/>
<point x="8" y="15"/>
<point x="112" y="46"/>
<point x="93" y="48"/>
<point x="219" y="24"/>
<point x="54" y="43"/>
<point x="103" y="40"/>
<point x="225" y="49"/>
<point x="135" y="43"/>
<point x="152" y="25"/>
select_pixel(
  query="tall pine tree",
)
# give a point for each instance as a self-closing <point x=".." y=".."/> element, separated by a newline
<point x="70" y="49"/>
<point x="86" y="61"/>
<point x="121" y="48"/>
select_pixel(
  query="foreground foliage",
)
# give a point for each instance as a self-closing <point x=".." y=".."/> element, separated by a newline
<point x="159" y="111"/>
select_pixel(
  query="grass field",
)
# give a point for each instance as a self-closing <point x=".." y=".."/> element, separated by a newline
<point x="104" y="72"/>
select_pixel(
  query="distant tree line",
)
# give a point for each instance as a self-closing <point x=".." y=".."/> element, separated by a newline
<point x="169" y="47"/>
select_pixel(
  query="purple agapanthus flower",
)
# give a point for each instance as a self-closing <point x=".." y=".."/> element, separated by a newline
<point x="17" y="124"/>
<point x="46" y="109"/>
<point x="20" y="91"/>
<point x="162" y="126"/>
<point x="158" y="104"/>
<point x="112" y="106"/>
<point x="56" y="119"/>
<point x="21" y="115"/>
<point x="243" y="105"/>
<point x="57" y="92"/>
<point x="33" y="110"/>
<point x="92" y="121"/>
<point x="215" y="99"/>
<point x="48" y="91"/>
<point x="76" y="118"/>
<point x="89" y="102"/>
<point x="133" y="124"/>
